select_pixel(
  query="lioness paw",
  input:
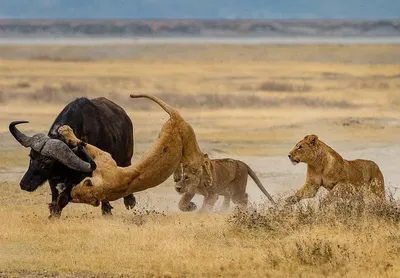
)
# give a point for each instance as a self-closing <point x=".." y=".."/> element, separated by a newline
<point x="68" y="134"/>
<point x="292" y="200"/>
<point x="189" y="207"/>
<point x="64" y="130"/>
<point x="192" y="206"/>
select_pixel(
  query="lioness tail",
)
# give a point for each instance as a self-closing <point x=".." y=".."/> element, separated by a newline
<point x="171" y="111"/>
<point x="259" y="184"/>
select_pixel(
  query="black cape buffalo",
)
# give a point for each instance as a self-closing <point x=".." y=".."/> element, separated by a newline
<point x="99" y="122"/>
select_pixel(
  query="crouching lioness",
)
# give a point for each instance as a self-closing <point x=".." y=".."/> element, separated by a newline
<point x="326" y="168"/>
<point x="218" y="177"/>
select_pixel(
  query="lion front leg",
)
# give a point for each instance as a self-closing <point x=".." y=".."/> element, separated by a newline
<point x="209" y="202"/>
<point x="308" y="190"/>
<point x="185" y="203"/>
<point x="69" y="135"/>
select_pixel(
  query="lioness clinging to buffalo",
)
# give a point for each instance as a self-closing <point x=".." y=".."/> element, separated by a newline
<point x="99" y="122"/>
<point x="176" y="144"/>
<point x="328" y="169"/>
<point x="226" y="177"/>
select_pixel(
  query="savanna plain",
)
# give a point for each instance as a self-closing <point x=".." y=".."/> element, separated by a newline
<point x="250" y="102"/>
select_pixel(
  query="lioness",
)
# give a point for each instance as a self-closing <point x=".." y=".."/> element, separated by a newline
<point x="226" y="177"/>
<point x="328" y="169"/>
<point x="175" y="145"/>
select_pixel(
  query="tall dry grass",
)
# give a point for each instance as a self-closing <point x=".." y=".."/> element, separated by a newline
<point x="351" y="238"/>
<point x="347" y="239"/>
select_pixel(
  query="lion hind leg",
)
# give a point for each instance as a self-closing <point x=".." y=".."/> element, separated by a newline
<point x="226" y="203"/>
<point x="241" y="200"/>
<point x="377" y="188"/>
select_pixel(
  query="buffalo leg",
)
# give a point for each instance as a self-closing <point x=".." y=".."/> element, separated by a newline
<point x="64" y="198"/>
<point x="54" y="196"/>
<point x="106" y="208"/>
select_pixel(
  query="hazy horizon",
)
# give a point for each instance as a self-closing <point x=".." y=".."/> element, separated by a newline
<point x="205" y="9"/>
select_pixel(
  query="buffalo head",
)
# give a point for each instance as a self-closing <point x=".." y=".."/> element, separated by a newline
<point x="45" y="152"/>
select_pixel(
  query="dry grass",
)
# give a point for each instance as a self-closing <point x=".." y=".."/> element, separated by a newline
<point x="241" y="101"/>
<point x="193" y="80"/>
<point x="349" y="54"/>
<point x="347" y="239"/>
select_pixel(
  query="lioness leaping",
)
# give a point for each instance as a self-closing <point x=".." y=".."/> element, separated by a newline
<point x="328" y="169"/>
<point x="226" y="177"/>
<point x="175" y="145"/>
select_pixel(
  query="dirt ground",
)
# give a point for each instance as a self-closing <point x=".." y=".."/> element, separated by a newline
<point x="250" y="110"/>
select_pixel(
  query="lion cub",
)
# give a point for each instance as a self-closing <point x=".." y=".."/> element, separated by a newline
<point x="326" y="168"/>
<point x="225" y="177"/>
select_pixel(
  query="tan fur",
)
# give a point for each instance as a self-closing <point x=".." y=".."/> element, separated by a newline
<point x="326" y="168"/>
<point x="226" y="177"/>
<point x="176" y="144"/>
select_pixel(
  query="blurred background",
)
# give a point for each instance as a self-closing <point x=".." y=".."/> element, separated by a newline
<point x="252" y="77"/>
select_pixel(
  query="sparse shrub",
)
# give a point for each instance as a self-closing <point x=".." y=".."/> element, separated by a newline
<point x="335" y="75"/>
<point x="383" y="85"/>
<point x="69" y="87"/>
<point x="23" y="84"/>
<point x="283" y="219"/>
<point x="2" y="97"/>
<point x="216" y="100"/>
<point x="283" y="87"/>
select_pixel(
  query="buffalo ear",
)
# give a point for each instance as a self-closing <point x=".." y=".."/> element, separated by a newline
<point x="312" y="139"/>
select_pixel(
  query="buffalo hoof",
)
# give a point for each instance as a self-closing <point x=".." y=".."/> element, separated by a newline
<point x="130" y="202"/>
<point x="106" y="208"/>
<point x="55" y="212"/>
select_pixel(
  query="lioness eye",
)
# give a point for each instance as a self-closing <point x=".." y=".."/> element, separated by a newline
<point x="300" y="147"/>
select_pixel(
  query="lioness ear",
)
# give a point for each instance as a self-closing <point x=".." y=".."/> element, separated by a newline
<point x="87" y="182"/>
<point x="312" y="139"/>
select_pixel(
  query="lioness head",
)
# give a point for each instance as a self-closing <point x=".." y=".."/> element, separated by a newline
<point x="305" y="150"/>
<point x="83" y="193"/>
<point x="192" y="177"/>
